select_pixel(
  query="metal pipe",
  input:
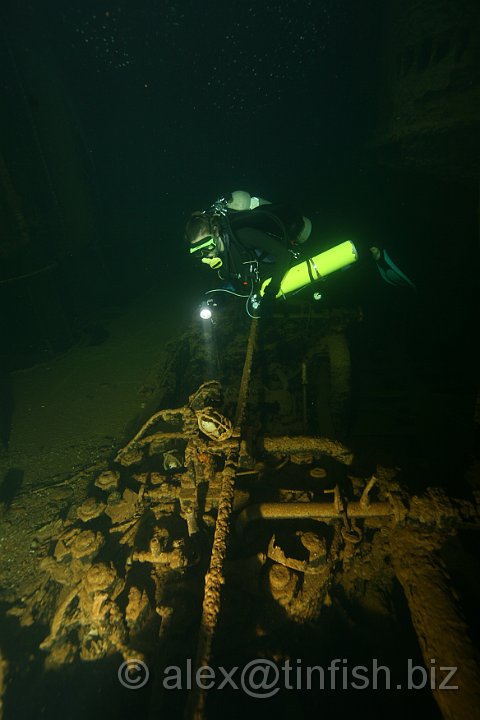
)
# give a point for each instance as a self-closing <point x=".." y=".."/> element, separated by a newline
<point x="215" y="578"/>
<point x="245" y="382"/>
<point x="313" y="511"/>
<point x="365" y="500"/>
<point x="214" y="581"/>
<point x="305" y="445"/>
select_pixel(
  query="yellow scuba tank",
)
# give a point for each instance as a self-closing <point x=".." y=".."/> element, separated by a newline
<point x="316" y="268"/>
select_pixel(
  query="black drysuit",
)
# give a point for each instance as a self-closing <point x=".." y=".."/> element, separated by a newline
<point x="265" y="234"/>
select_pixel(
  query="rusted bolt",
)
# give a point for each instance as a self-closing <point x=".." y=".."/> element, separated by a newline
<point x="318" y="472"/>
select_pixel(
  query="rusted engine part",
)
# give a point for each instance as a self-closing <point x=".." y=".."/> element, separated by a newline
<point x="184" y="418"/>
<point x="304" y="561"/>
<point x="90" y="609"/>
<point x="101" y="607"/>
<point x="291" y="580"/>
<point x="415" y="527"/>
<point x="300" y="578"/>
<point x="442" y="632"/>
<point x="300" y="586"/>
<point x="192" y="421"/>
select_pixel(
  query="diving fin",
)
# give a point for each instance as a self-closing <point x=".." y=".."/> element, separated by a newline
<point x="390" y="272"/>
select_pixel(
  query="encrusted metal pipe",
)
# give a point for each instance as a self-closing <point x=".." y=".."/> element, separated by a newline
<point x="247" y="369"/>
<point x="214" y="581"/>
<point x="301" y="444"/>
<point x="313" y="511"/>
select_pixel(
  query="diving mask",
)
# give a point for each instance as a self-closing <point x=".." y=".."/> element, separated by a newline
<point x="204" y="246"/>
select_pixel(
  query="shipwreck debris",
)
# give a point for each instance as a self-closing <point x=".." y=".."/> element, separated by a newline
<point x="199" y="498"/>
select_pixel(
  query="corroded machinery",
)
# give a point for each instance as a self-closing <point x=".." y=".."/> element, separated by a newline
<point x="199" y="524"/>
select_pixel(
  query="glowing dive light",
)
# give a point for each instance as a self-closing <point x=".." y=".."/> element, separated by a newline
<point x="206" y="309"/>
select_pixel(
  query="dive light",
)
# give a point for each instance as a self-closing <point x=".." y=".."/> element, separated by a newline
<point x="206" y="310"/>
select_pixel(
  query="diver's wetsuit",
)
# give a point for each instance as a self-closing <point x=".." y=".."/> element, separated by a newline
<point x="264" y="234"/>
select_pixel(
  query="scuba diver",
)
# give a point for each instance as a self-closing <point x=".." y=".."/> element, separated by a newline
<point x="254" y="243"/>
<point x="248" y="245"/>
